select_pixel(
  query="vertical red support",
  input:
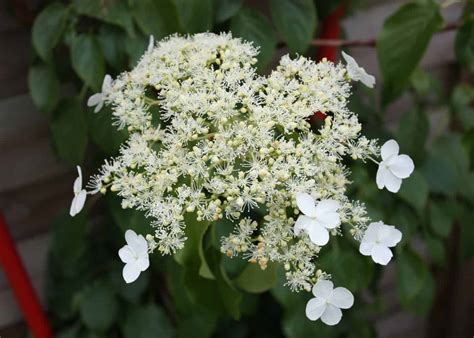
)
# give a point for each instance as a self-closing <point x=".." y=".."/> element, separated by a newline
<point x="330" y="29"/>
<point x="20" y="284"/>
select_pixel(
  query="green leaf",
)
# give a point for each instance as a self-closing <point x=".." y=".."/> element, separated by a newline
<point x="253" y="26"/>
<point x="195" y="15"/>
<point x="436" y="249"/>
<point x="87" y="60"/>
<point x="48" y="29"/>
<point x="464" y="44"/>
<point x="296" y="21"/>
<point x="225" y="9"/>
<point x="441" y="218"/>
<point x="135" y="47"/>
<point x="347" y="266"/>
<point x="415" y="191"/>
<point x="446" y="166"/>
<point x="115" y="12"/>
<point x="147" y="321"/>
<point x="128" y="218"/>
<point x="255" y="280"/>
<point x="405" y="219"/>
<point x="412" y="134"/>
<point x="461" y="104"/>
<point x="466" y="234"/>
<point x="111" y="41"/>
<point x="156" y="17"/>
<point x="101" y="131"/>
<point x="69" y="131"/>
<point x="133" y="292"/>
<point x="415" y="284"/>
<point x="98" y="307"/>
<point x="402" y="42"/>
<point x="201" y="324"/>
<point x="44" y="87"/>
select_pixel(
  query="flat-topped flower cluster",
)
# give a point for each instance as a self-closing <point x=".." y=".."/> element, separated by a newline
<point x="211" y="137"/>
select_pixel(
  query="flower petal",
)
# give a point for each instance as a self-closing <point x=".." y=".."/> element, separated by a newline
<point x="315" y="308"/>
<point x="371" y="234"/>
<point x="323" y="289"/>
<point x="392" y="182"/>
<point x="77" y="187"/>
<point x="306" y="204"/>
<point x="99" y="106"/>
<point x="401" y="166"/>
<point x="381" y="177"/>
<point x="381" y="254"/>
<point x="106" y="84"/>
<point x="365" y="248"/>
<point x="151" y="44"/>
<point x="130" y="272"/>
<point x="143" y="262"/>
<point x="389" y="149"/>
<point x="332" y="315"/>
<point x="302" y="223"/>
<point x="367" y="79"/>
<point x="325" y="206"/>
<point x="126" y="254"/>
<point x="318" y="234"/>
<point x="390" y="236"/>
<point x="342" y="298"/>
<point x="95" y="99"/>
<point x="131" y="237"/>
<point x="329" y="220"/>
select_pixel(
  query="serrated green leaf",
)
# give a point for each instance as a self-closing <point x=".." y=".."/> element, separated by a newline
<point x="296" y="21"/>
<point x="98" y="307"/>
<point x="402" y="42"/>
<point x="69" y="131"/>
<point x="88" y="61"/>
<point x="415" y="191"/>
<point x="415" y="284"/>
<point x="147" y="321"/>
<point x="48" y="29"/>
<point x="44" y="87"/>
<point x="158" y="18"/>
<point x="253" y="26"/>
<point x="195" y="15"/>
<point x="255" y="280"/>
<point x="225" y="9"/>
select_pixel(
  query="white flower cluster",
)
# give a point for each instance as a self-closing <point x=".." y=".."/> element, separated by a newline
<point x="212" y="138"/>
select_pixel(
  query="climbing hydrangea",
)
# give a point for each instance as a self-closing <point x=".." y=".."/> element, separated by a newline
<point x="211" y="138"/>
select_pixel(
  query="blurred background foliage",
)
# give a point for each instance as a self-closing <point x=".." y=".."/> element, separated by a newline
<point x="206" y="295"/>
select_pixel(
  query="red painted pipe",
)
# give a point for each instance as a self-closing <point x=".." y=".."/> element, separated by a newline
<point x="19" y="282"/>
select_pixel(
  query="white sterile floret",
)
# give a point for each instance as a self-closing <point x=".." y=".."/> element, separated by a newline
<point x="134" y="255"/>
<point x="393" y="167"/>
<point x="98" y="99"/>
<point x="316" y="218"/>
<point x="377" y="240"/>
<point x="151" y="44"/>
<point x="80" y="194"/>
<point x="328" y="302"/>
<point x="358" y="73"/>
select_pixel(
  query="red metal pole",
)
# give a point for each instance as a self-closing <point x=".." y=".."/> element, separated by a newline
<point x="20" y="284"/>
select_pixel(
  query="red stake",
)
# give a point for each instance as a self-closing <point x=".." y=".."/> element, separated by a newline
<point x="20" y="284"/>
<point x="330" y="29"/>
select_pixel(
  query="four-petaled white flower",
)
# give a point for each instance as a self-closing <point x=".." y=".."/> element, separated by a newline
<point x="151" y="44"/>
<point x="98" y="99"/>
<point x="377" y="240"/>
<point x="393" y="167"/>
<point x="358" y="73"/>
<point x="328" y="302"/>
<point x="79" y="195"/>
<point x="134" y="255"/>
<point x="316" y="219"/>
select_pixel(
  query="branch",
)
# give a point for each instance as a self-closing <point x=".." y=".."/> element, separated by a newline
<point x="368" y="42"/>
